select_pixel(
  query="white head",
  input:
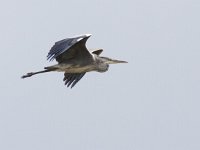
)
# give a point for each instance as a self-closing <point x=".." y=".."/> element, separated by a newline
<point x="103" y="63"/>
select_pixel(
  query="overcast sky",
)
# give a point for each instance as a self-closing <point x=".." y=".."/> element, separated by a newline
<point x="151" y="103"/>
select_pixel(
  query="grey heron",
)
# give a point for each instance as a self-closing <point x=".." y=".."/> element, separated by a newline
<point x="74" y="59"/>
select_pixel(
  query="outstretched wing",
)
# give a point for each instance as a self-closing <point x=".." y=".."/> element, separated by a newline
<point x="72" y="78"/>
<point x="68" y="48"/>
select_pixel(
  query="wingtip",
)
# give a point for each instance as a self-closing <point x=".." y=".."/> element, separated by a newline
<point x="88" y="35"/>
<point x="82" y="35"/>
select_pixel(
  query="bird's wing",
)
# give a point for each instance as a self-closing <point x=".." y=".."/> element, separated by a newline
<point x="68" y="48"/>
<point x="97" y="52"/>
<point x="72" y="78"/>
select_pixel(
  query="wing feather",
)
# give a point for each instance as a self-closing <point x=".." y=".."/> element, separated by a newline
<point x="65" y="48"/>
<point x="71" y="79"/>
<point x="97" y="52"/>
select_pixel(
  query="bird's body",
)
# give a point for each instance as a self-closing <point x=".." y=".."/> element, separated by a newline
<point x="75" y="60"/>
<point x="71" y="66"/>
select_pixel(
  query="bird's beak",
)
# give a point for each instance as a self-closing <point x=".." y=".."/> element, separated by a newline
<point x="113" y="61"/>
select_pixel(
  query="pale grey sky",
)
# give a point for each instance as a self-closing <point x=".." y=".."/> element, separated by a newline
<point x="150" y="103"/>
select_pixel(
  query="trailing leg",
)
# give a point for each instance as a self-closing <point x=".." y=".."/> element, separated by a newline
<point x="34" y="73"/>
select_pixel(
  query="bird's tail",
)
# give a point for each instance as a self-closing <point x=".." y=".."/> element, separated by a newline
<point x="34" y="73"/>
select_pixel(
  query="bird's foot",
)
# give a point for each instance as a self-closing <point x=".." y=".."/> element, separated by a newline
<point x="27" y="75"/>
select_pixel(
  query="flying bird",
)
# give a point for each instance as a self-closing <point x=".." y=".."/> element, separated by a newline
<point x="74" y="59"/>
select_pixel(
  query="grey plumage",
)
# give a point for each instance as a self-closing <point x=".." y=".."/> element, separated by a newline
<point x="75" y="60"/>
